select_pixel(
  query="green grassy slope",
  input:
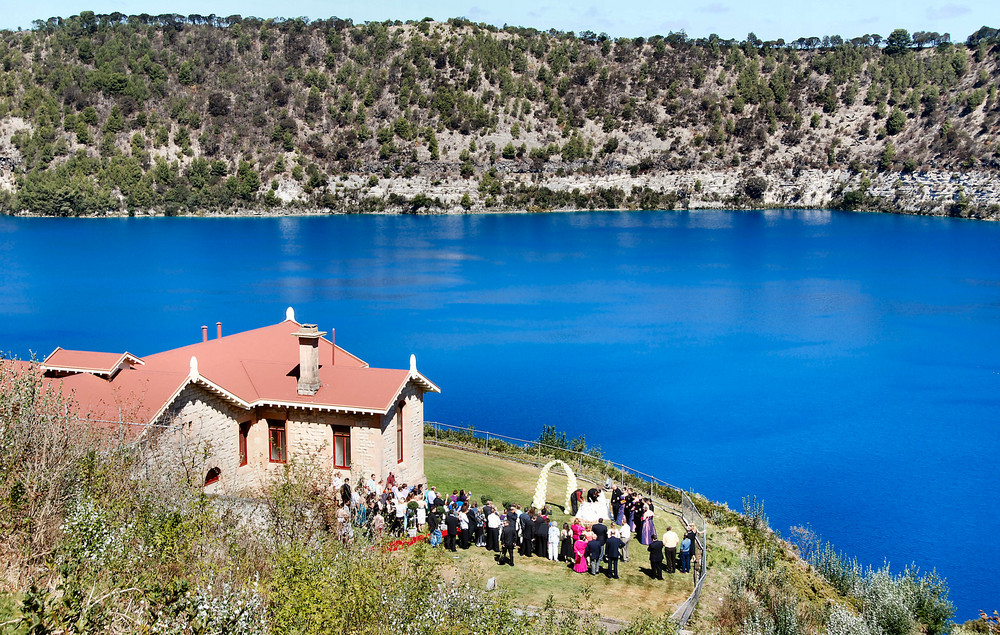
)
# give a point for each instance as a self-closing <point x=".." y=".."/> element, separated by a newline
<point x="534" y="579"/>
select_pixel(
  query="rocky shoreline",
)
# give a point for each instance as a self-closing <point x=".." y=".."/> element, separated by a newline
<point x="973" y="194"/>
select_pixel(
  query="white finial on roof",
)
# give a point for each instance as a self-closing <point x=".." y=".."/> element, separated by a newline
<point x="290" y="314"/>
<point x="413" y="364"/>
<point x="194" y="367"/>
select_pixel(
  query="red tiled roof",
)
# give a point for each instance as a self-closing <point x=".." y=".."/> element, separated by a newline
<point x="86" y="361"/>
<point x="132" y="397"/>
<point x="252" y="368"/>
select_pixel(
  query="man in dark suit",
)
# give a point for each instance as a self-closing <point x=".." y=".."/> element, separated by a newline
<point x="575" y="500"/>
<point x="692" y="535"/>
<point x="452" y="523"/>
<point x="613" y="549"/>
<point x="527" y="533"/>
<point x="541" y="531"/>
<point x="432" y="524"/>
<point x="656" y="558"/>
<point x="601" y="532"/>
<point x="508" y="538"/>
<point x="345" y="492"/>
<point x="594" y="555"/>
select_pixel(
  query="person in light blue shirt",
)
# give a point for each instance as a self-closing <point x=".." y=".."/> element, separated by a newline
<point x="686" y="555"/>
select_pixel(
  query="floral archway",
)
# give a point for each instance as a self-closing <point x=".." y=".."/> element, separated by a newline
<point x="541" y="489"/>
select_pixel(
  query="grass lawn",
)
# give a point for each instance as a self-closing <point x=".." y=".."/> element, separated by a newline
<point x="533" y="580"/>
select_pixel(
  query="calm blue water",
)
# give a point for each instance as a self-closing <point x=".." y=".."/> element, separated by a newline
<point x="843" y="367"/>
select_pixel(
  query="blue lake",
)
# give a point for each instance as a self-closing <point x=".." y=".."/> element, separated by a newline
<point x="842" y="367"/>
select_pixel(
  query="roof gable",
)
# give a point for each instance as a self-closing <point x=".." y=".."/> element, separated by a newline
<point x="95" y="363"/>
<point x="252" y="368"/>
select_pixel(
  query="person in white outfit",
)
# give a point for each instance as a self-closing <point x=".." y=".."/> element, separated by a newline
<point x="625" y="533"/>
<point x="553" y="540"/>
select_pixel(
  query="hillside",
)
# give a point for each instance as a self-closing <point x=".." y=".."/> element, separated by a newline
<point x="95" y="542"/>
<point x="172" y="114"/>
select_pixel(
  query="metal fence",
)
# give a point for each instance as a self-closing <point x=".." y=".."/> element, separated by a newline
<point x="691" y="515"/>
<point x="593" y="467"/>
<point x="536" y="453"/>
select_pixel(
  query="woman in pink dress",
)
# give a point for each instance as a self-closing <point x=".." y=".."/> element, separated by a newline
<point x="576" y="528"/>
<point x="648" y="531"/>
<point x="579" y="548"/>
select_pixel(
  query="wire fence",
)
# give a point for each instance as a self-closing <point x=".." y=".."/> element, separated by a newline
<point x="691" y="515"/>
<point x="533" y="452"/>
<point x="593" y="467"/>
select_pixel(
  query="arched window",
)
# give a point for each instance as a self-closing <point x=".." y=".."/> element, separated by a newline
<point x="212" y="476"/>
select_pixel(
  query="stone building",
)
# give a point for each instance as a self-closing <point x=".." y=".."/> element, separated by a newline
<point x="248" y="404"/>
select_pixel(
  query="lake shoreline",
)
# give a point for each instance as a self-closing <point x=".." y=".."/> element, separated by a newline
<point x="316" y="213"/>
<point x="971" y="195"/>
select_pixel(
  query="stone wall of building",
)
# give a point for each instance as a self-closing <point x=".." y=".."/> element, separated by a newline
<point x="202" y="433"/>
<point x="411" y="469"/>
<point x="368" y="449"/>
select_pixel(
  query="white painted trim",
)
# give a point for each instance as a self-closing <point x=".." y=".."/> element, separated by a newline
<point x="429" y="385"/>
<point x="159" y="413"/>
<point x="76" y="369"/>
<point x="322" y="407"/>
<point x="267" y="403"/>
<point x="222" y="392"/>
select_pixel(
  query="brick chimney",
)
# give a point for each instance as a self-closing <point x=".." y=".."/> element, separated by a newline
<point x="309" y="335"/>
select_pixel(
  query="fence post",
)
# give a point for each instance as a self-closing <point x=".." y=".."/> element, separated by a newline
<point x="435" y="433"/>
<point x="539" y="453"/>
<point x="487" y="443"/>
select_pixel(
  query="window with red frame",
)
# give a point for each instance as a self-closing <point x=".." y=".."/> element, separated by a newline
<point x="242" y="441"/>
<point x="399" y="433"/>
<point x="276" y="441"/>
<point x="342" y="450"/>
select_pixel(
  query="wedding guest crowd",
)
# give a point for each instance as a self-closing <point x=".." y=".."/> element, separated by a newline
<point x="456" y="521"/>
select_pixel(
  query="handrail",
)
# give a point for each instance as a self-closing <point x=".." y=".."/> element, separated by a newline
<point x="686" y="609"/>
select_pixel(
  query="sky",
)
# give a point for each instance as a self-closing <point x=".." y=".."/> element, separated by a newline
<point x="767" y="19"/>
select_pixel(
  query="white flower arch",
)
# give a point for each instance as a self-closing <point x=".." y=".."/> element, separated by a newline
<point x="541" y="489"/>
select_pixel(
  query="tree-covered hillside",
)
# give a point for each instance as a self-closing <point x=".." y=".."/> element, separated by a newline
<point x="114" y="113"/>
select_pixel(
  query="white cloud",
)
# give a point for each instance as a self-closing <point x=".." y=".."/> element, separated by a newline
<point x="947" y="11"/>
<point x="714" y="7"/>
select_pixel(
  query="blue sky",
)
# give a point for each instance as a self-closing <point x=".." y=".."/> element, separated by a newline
<point x="788" y="19"/>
